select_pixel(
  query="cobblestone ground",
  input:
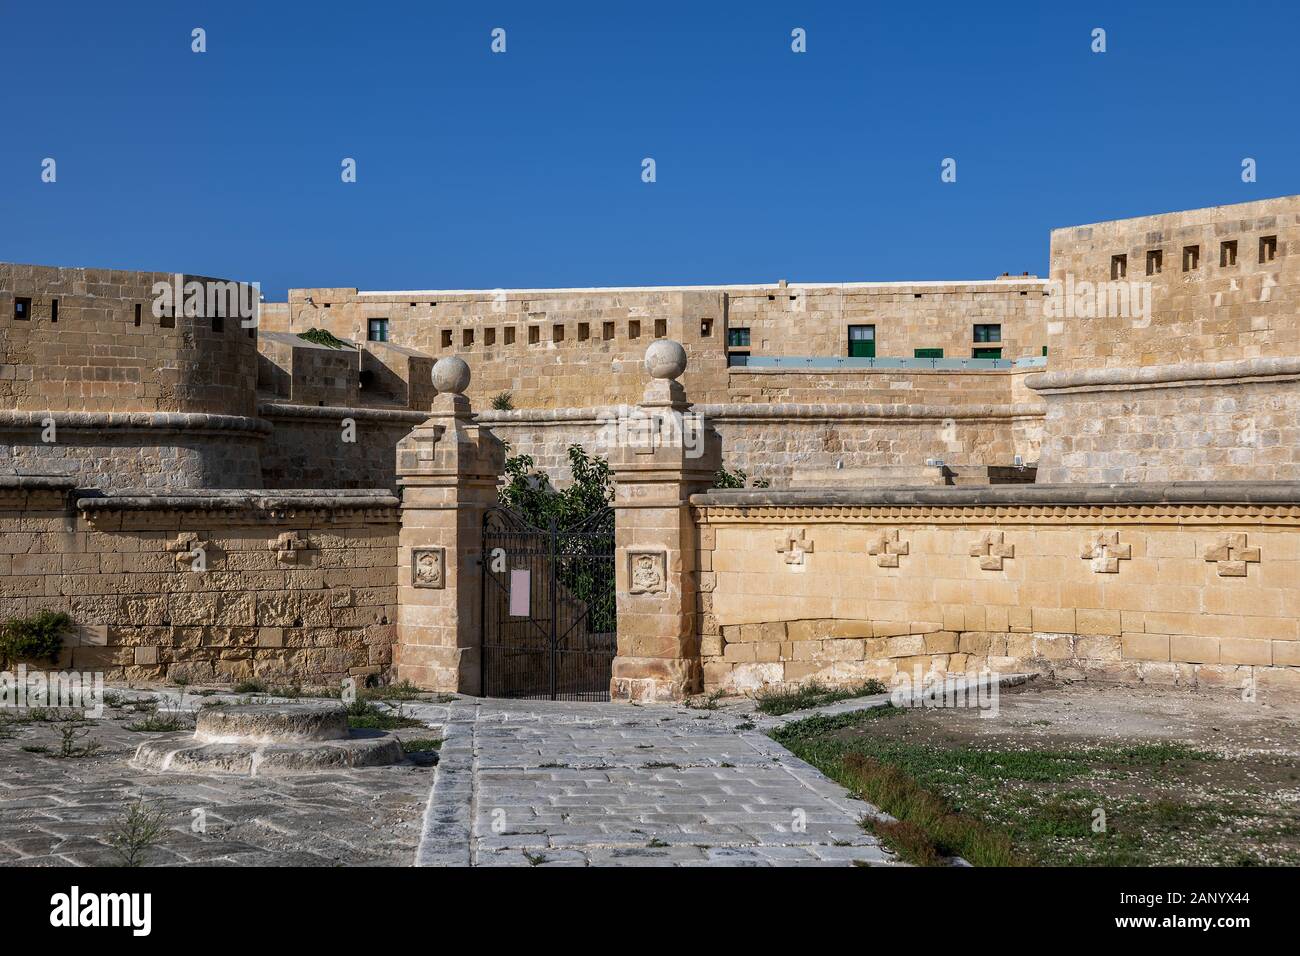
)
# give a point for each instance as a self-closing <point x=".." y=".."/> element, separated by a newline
<point x="520" y="783"/>
<point x="527" y="783"/>
<point x="62" y="811"/>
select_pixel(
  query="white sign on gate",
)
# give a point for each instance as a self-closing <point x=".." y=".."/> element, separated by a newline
<point x="520" y="585"/>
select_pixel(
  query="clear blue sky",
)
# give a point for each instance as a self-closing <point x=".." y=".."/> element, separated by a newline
<point x="524" y="169"/>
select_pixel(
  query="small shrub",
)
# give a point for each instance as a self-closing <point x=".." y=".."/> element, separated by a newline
<point x="421" y="744"/>
<point x="70" y="734"/>
<point x="38" y="637"/>
<point x="160" y="724"/>
<point x="363" y="715"/>
<point x="503" y="402"/>
<point x="323" y="337"/>
<point x="776" y="702"/>
<point x="138" y="829"/>
<point x="723" y="478"/>
<point x="249" y="687"/>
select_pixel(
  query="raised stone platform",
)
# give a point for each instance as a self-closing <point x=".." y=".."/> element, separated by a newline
<point x="257" y="739"/>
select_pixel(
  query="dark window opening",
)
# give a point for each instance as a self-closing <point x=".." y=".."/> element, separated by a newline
<point x="1228" y="253"/>
<point x="54" y="310"/>
<point x="466" y="338"/>
<point x="1118" y="267"/>
<point x="706" y="328"/>
<point x="557" y="333"/>
<point x="916" y="295"/>
<point x="607" y="331"/>
<point x="1155" y="262"/>
<point x="1191" y="258"/>
<point x="23" y="308"/>
<point x="634" y="329"/>
<point x="584" y="331"/>
<point x="661" y="328"/>
<point x="1267" y="248"/>
<point x="510" y="335"/>
<point x="534" y="334"/>
<point x="988" y="333"/>
<point x="218" y="323"/>
<point x="446" y="338"/>
<point x="489" y="337"/>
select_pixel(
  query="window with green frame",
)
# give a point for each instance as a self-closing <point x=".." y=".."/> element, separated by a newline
<point x="927" y="353"/>
<point x="738" y="338"/>
<point x="986" y="353"/>
<point x="862" y="341"/>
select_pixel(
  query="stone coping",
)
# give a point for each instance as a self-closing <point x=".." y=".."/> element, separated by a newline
<point x="243" y="499"/>
<point x="337" y="412"/>
<point x="1169" y="375"/>
<point x="189" y="422"/>
<point x="742" y="411"/>
<point x="1173" y="492"/>
<point x="36" y="483"/>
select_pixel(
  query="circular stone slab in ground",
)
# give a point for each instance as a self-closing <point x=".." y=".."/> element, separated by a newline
<point x="256" y="739"/>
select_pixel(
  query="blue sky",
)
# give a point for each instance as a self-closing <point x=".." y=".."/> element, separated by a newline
<point x="482" y="170"/>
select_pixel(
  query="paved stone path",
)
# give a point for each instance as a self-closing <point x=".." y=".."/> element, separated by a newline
<point x="519" y="783"/>
<point x="532" y="783"/>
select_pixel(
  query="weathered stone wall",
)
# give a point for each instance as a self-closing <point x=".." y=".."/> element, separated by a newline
<point x="1205" y="385"/>
<point x="1189" y="585"/>
<point x="298" y="589"/>
<point x="1210" y="421"/>
<point x="307" y="446"/>
<point x="807" y="444"/>
<point x="815" y="319"/>
<point x="576" y="347"/>
<point x="134" y="449"/>
<point x="106" y="350"/>
<point x="1213" y="311"/>
<point x="306" y="373"/>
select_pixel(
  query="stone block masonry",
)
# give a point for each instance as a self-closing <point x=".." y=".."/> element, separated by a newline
<point x="1188" y="584"/>
<point x="299" y="588"/>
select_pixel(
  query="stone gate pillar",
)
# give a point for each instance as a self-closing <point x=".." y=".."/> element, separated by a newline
<point x="664" y="453"/>
<point x="448" y="469"/>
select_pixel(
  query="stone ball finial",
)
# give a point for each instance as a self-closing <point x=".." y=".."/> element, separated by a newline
<point x="665" y="359"/>
<point x="451" y="374"/>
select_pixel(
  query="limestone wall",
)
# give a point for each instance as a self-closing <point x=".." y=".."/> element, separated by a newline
<point x="1206" y="384"/>
<point x="154" y="450"/>
<point x="1189" y="585"/>
<point x="807" y="444"/>
<point x="307" y="447"/>
<point x="298" y="589"/>
<point x="105" y="350"/>
<point x="574" y="347"/>
<point x="1220" y="308"/>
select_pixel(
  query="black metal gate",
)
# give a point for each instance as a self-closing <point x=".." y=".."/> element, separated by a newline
<point x="548" y="607"/>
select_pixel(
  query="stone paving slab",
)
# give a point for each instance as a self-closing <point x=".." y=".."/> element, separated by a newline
<point x="544" y="783"/>
<point x="61" y="811"/>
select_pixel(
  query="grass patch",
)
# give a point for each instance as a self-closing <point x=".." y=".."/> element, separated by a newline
<point x="996" y="802"/>
<point x="364" y="715"/>
<point x="160" y="724"/>
<point x="774" y="703"/>
<point x="323" y="337"/>
<point x="419" y="745"/>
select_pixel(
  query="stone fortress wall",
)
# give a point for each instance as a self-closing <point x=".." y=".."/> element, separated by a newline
<point x="1205" y="387"/>
<point x="154" y="420"/>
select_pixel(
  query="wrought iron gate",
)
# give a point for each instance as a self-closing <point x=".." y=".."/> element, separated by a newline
<point x="548" y="607"/>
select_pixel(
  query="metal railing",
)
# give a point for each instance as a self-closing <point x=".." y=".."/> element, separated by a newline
<point x="794" y="363"/>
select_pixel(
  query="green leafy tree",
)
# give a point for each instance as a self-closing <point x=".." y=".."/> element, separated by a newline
<point x="38" y="637"/>
<point x="530" y="492"/>
<point x="737" y="479"/>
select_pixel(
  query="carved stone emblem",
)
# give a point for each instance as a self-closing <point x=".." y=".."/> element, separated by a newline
<point x="287" y="546"/>
<point x="1105" y="552"/>
<point x="428" y="567"/>
<point x="1231" y="555"/>
<point x="647" y="572"/>
<point x="887" y="548"/>
<point x="991" y="549"/>
<point x="794" y="547"/>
